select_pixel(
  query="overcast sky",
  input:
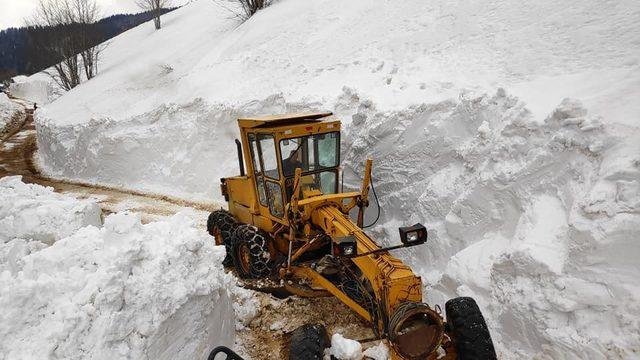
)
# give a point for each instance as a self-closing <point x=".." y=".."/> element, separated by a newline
<point x="13" y="12"/>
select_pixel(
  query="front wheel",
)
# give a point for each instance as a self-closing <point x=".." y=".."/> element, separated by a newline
<point x="222" y="225"/>
<point x="251" y="256"/>
<point x="308" y="342"/>
<point x="469" y="330"/>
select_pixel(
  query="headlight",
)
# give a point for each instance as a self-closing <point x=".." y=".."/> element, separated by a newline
<point x="349" y="250"/>
<point x="413" y="235"/>
<point x="345" y="246"/>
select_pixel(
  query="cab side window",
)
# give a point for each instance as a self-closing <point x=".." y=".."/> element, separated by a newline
<point x="257" y="170"/>
<point x="269" y="157"/>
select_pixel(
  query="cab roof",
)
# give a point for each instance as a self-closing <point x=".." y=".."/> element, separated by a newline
<point x="283" y="119"/>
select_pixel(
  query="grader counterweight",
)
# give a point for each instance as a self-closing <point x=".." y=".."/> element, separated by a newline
<point x="287" y="220"/>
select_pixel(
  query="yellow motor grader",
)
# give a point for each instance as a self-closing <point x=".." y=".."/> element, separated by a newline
<point x="288" y="220"/>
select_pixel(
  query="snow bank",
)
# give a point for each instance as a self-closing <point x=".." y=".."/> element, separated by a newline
<point x="538" y="222"/>
<point x="38" y="88"/>
<point x="11" y="116"/>
<point x="122" y="291"/>
<point x="33" y="212"/>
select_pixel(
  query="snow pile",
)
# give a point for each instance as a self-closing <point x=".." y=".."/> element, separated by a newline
<point x="34" y="212"/>
<point x="11" y="115"/>
<point x="344" y="349"/>
<point x="537" y="221"/>
<point x="122" y="291"/>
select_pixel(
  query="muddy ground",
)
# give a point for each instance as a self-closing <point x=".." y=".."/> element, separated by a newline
<point x="263" y="337"/>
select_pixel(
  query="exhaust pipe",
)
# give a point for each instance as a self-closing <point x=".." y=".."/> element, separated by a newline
<point x="240" y="159"/>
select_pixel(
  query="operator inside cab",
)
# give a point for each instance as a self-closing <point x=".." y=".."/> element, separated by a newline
<point x="290" y="164"/>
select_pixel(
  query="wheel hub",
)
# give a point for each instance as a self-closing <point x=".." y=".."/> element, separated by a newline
<point x="245" y="258"/>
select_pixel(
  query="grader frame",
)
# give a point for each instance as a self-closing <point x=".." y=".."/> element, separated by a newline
<point x="302" y="211"/>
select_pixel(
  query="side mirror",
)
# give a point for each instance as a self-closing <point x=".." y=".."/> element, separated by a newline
<point x="413" y="235"/>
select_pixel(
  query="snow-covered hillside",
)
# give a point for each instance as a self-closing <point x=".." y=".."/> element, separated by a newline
<point x="73" y="288"/>
<point x="511" y="130"/>
<point x="167" y="87"/>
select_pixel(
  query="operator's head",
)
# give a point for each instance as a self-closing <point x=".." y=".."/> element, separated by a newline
<point x="295" y="154"/>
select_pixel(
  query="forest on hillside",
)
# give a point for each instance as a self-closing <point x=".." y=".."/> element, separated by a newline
<point x="25" y="50"/>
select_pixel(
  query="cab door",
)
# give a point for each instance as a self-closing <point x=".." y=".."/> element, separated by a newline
<point x="268" y="178"/>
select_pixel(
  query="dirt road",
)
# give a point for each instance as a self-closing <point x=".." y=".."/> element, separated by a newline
<point x="17" y="158"/>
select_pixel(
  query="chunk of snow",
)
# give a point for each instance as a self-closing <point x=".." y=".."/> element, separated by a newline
<point x="345" y="349"/>
<point x="378" y="352"/>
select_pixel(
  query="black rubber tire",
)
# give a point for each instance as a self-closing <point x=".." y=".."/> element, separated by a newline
<point x="467" y="325"/>
<point x="227" y="224"/>
<point x="308" y="342"/>
<point x="260" y="264"/>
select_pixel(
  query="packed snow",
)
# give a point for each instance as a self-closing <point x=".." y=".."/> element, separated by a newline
<point x="510" y="130"/>
<point x="121" y="290"/>
<point x="39" y="88"/>
<point x="538" y="222"/>
<point x="38" y="213"/>
<point x="11" y="114"/>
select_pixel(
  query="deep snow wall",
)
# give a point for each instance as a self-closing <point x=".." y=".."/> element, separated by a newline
<point x="538" y="222"/>
<point x="179" y="150"/>
<point x="122" y="290"/>
<point x="11" y="116"/>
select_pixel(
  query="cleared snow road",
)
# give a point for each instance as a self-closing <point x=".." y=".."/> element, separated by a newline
<point x="17" y="158"/>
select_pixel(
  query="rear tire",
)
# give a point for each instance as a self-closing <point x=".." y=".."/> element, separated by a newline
<point x="251" y="256"/>
<point x="222" y="223"/>
<point x="467" y="325"/>
<point x="308" y="342"/>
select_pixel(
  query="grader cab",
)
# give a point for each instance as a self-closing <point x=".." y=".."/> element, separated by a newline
<point x="288" y="220"/>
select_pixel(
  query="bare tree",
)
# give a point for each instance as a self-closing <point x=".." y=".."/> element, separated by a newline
<point x="155" y="7"/>
<point x="75" y="39"/>
<point x="243" y="9"/>
<point x="87" y="13"/>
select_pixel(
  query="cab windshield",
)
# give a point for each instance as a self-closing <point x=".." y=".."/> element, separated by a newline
<point x="317" y="156"/>
<point x="310" y="153"/>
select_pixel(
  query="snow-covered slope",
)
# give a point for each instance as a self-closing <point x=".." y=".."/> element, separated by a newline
<point x="510" y="129"/>
<point x="119" y="291"/>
